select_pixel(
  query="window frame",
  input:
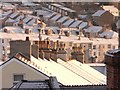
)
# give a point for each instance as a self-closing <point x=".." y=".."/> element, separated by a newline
<point x="13" y="78"/>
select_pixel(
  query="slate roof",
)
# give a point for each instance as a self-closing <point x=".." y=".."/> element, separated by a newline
<point x="24" y="84"/>
<point x="99" y="13"/>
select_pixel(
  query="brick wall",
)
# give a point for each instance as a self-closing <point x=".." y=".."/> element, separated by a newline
<point x="112" y="60"/>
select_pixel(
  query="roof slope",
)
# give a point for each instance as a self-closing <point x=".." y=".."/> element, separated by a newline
<point x="99" y="13"/>
<point x="79" y="74"/>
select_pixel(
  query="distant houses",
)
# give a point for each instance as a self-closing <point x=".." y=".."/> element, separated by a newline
<point x="103" y="17"/>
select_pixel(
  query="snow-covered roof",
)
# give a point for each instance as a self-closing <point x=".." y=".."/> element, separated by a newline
<point x="28" y="18"/>
<point x="57" y="5"/>
<point x="19" y="17"/>
<point x="49" y="15"/>
<point x="10" y="20"/>
<point x="75" y="24"/>
<point x="28" y="3"/>
<point x="18" y="36"/>
<point x="2" y="18"/>
<point x="118" y="23"/>
<point x="79" y="74"/>
<point x="8" y="6"/>
<point x="67" y="9"/>
<point x="14" y="15"/>
<point x="65" y="39"/>
<point x="94" y="29"/>
<point x="7" y="13"/>
<point x="1" y="62"/>
<point x="82" y="16"/>
<point x="42" y="12"/>
<point x="54" y="29"/>
<point x="83" y="24"/>
<point x="1" y="12"/>
<point x="99" y="13"/>
<point x="109" y="34"/>
<point x="115" y="35"/>
<point x="56" y="17"/>
<point x="68" y="22"/>
<point x="62" y="19"/>
<point x="51" y="68"/>
<point x="12" y="29"/>
<point x="31" y="22"/>
<point x="111" y="9"/>
<point x="64" y="8"/>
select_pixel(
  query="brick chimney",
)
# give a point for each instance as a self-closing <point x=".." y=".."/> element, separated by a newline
<point x="45" y="50"/>
<point x="59" y="51"/>
<point x="20" y="23"/>
<point x="20" y="46"/>
<point x="112" y="61"/>
<point x="77" y="54"/>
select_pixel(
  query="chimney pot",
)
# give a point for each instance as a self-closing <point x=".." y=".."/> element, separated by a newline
<point x="27" y="38"/>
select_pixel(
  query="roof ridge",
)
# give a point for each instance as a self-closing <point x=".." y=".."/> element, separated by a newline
<point x="31" y="63"/>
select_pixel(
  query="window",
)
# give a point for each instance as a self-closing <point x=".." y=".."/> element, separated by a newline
<point x="90" y="46"/>
<point x="103" y="46"/>
<point x="70" y="43"/>
<point x="99" y="53"/>
<point x="94" y="46"/>
<point x="109" y="46"/>
<point x="113" y="47"/>
<point x="81" y="45"/>
<point x="2" y="40"/>
<point x="94" y="53"/>
<point x="17" y="78"/>
<point x="75" y="44"/>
